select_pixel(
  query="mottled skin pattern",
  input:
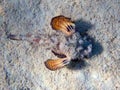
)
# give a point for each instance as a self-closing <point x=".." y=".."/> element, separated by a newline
<point x="68" y="46"/>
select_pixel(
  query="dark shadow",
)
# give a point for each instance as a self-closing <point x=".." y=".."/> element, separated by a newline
<point x="83" y="27"/>
<point x="97" y="47"/>
<point x="77" y="64"/>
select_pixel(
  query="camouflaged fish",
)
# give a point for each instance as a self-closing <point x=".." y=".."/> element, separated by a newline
<point x="68" y="45"/>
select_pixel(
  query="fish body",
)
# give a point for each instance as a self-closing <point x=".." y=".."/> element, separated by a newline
<point x="65" y="48"/>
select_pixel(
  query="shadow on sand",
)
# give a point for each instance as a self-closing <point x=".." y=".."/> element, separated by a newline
<point x="82" y="27"/>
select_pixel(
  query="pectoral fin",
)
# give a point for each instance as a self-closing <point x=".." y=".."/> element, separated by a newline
<point x="54" y="64"/>
<point x="63" y="24"/>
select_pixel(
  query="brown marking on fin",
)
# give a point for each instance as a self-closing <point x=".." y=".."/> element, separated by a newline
<point x="59" y="55"/>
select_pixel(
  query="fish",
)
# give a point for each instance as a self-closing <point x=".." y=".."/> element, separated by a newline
<point x="66" y="49"/>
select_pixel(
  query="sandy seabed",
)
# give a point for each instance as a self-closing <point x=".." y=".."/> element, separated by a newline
<point x="22" y="64"/>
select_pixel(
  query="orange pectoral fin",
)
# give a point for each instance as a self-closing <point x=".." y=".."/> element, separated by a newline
<point x="54" y="64"/>
<point x="63" y="24"/>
